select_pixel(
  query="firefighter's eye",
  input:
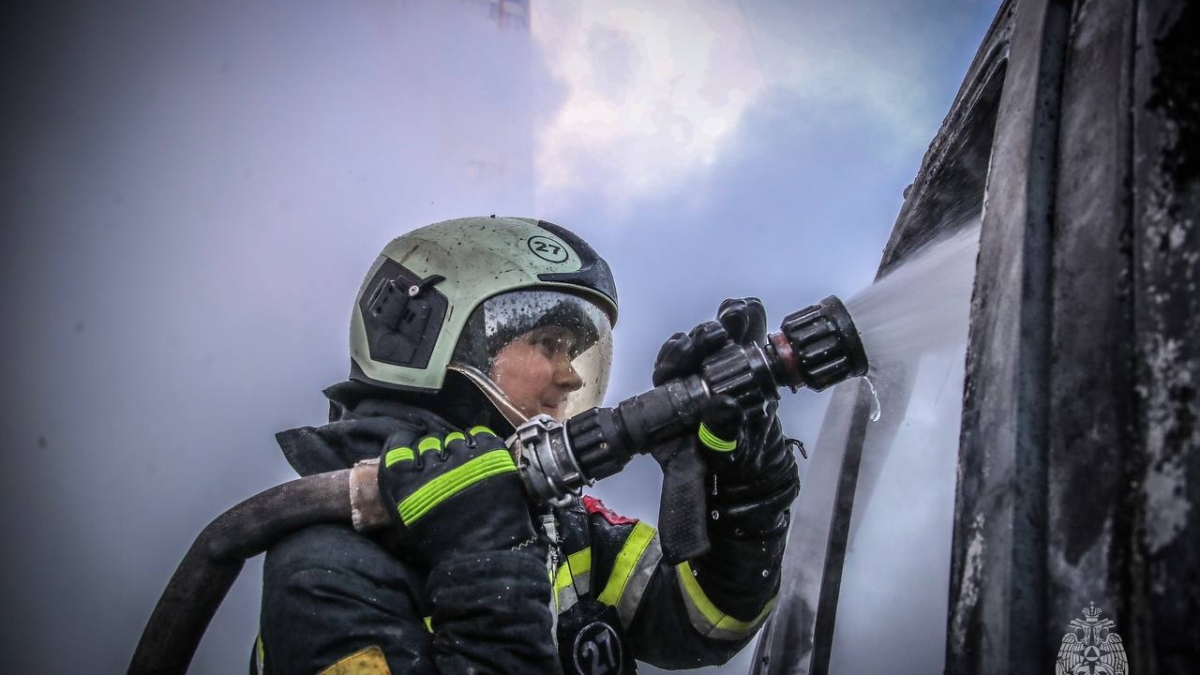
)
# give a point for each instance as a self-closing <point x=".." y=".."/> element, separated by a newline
<point x="550" y="344"/>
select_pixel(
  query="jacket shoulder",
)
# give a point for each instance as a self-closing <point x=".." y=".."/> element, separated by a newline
<point x="587" y="522"/>
<point x="339" y="549"/>
<point x="329" y="592"/>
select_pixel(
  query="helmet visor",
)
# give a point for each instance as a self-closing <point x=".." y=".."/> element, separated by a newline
<point x="548" y="352"/>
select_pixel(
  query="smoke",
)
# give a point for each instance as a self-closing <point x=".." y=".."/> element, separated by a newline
<point x="200" y="188"/>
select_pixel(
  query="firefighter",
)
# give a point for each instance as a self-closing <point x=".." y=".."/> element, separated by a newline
<point x="461" y="331"/>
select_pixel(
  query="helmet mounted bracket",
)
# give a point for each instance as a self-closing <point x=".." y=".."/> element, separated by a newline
<point x="404" y="315"/>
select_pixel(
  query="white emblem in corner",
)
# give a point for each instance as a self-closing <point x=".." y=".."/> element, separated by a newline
<point x="1092" y="647"/>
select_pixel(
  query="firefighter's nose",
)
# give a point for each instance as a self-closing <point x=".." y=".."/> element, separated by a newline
<point x="566" y="377"/>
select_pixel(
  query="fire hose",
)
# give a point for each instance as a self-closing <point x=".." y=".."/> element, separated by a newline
<point x="815" y="348"/>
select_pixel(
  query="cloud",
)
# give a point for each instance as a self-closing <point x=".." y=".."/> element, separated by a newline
<point x="649" y="93"/>
<point x="646" y="97"/>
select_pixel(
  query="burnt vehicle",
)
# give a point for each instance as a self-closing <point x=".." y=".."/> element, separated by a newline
<point x="1075" y="137"/>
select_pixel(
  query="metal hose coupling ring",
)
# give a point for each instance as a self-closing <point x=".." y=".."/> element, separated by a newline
<point x="547" y="462"/>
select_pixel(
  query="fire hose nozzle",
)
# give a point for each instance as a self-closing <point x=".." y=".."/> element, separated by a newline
<point x="817" y="347"/>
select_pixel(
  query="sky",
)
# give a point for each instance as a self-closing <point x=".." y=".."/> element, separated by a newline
<point x="195" y="189"/>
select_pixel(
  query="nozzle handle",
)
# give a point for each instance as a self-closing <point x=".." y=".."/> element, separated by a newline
<point x="682" y="522"/>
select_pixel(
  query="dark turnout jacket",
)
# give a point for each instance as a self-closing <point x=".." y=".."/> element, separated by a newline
<point x="336" y="601"/>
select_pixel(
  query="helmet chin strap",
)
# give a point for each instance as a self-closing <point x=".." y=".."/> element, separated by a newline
<point x="498" y="398"/>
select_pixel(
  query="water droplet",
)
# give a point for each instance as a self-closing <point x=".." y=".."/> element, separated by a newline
<point x="766" y="574"/>
<point x="716" y="514"/>
<point x="875" y="408"/>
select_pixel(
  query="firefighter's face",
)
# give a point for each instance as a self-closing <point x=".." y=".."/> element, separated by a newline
<point x="535" y="371"/>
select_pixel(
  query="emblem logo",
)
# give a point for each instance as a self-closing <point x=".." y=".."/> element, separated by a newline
<point x="598" y="650"/>
<point x="1091" y="648"/>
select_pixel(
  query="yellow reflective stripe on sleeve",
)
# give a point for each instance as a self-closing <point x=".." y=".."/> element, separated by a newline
<point x="454" y="481"/>
<point x="565" y="595"/>
<point x="715" y="442"/>
<point x="397" y="455"/>
<point x="632" y="571"/>
<point x="429" y="623"/>
<point x="574" y="577"/>
<point x="260" y="655"/>
<point x="455" y="436"/>
<point x="475" y="431"/>
<point x="562" y="579"/>
<point x="704" y="615"/>
<point x="368" y="661"/>
<point x="428" y="444"/>
<point x="581" y="564"/>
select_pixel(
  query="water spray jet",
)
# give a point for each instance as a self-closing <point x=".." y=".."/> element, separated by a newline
<point x="921" y="306"/>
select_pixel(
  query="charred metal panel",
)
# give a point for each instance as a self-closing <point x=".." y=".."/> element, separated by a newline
<point x="1166" y="249"/>
<point x="949" y="186"/>
<point x="1120" y="427"/>
<point x="1091" y="368"/>
<point x="996" y="622"/>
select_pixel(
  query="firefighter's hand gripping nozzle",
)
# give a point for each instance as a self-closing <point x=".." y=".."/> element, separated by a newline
<point x="816" y="347"/>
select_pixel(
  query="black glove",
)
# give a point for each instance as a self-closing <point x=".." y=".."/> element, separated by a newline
<point x="457" y="494"/>
<point x="752" y="473"/>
